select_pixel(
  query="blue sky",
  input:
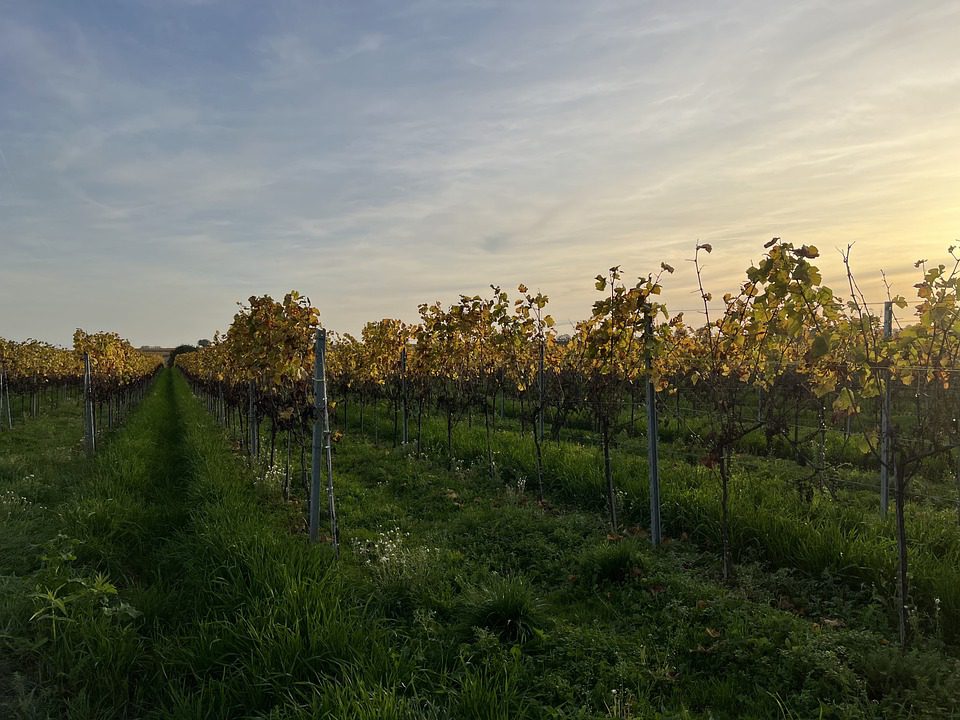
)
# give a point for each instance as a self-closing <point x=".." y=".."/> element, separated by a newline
<point x="162" y="159"/>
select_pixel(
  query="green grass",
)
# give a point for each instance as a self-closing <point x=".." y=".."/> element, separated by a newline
<point x="844" y="539"/>
<point x="165" y="580"/>
<point x="666" y="637"/>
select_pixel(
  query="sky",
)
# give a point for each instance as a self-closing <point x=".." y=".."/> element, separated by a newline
<point x="161" y="160"/>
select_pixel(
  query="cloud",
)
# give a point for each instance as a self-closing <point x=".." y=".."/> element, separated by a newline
<point x="376" y="156"/>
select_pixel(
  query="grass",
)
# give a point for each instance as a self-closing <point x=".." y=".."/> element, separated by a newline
<point x="656" y="627"/>
<point x="844" y="539"/>
<point x="163" y="580"/>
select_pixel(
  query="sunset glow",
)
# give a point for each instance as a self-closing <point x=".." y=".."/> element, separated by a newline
<point x="376" y="155"/>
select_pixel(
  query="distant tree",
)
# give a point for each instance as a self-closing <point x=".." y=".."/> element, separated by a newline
<point x="179" y="350"/>
<point x="203" y="343"/>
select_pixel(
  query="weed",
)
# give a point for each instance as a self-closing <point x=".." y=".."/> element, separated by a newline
<point x="507" y="607"/>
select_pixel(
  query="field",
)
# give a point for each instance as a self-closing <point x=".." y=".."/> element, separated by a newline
<point x="167" y="577"/>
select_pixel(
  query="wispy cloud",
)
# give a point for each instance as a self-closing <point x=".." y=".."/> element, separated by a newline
<point x="170" y="158"/>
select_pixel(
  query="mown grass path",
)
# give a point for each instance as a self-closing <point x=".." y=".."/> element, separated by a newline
<point x="140" y="555"/>
<point x="164" y="582"/>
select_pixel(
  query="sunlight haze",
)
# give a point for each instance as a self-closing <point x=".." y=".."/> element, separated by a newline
<point x="160" y="161"/>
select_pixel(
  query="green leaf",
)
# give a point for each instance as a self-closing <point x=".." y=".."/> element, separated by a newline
<point x="845" y="403"/>
<point x="821" y="346"/>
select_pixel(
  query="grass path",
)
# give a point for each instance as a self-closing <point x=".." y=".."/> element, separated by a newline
<point x="132" y="550"/>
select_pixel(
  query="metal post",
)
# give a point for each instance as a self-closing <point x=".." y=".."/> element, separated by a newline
<point x="822" y="413"/>
<point x="403" y="392"/>
<point x="317" y="446"/>
<point x="252" y="428"/>
<point x="885" y="462"/>
<point x="328" y="451"/>
<point x="2" y="379"/>
<point x="89" y="426"/>
<point x="957" y="481"/>
<point x="503" y="395"/>
<point x="539" y="428"/>
<point x="653" y="455"/>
